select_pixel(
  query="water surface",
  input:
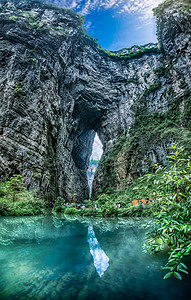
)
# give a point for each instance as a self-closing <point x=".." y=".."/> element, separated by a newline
<point x="68" y="258"/>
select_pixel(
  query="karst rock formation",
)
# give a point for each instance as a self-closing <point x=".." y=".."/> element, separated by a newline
<point x="58" y="87"/>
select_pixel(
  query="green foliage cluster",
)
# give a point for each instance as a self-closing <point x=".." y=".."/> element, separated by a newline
<point x="11" y="7"/>
<point x="71" y="210"/>
<point x="18" y="91"/>
<point x="109" y="209"/>
<point x="161" y="71"/>
<point x="187" y="111"/>
<point x="58" y="205"/>
<point x="108" y="206"/>
<point x="27" y="18"/>
<point x="30" y="60"/>
<point x="15" y="184"/>
<point x="32" y="51"/>
<point x="125" y="57"/>
<point x="108" y="161"/>
<point x="151" y="89"/>
<point x="182" y="84"/>
<point x="171" y="225"/>
<point x="159" y="9"/>
<point x="94" y="163"/>
<point x="134" y="80"/>
<point x="15" y="200"/>
<point x="186" y="5"/>
<point x="139" y="189"/>
<point x="147" y="132"/>
<point x="13" y="18"/>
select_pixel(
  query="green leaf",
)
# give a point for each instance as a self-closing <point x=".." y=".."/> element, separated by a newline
<point x="160" y="241"/>
<point x="183" y="271"/>
<point x="177" y="275"/>
<point x="167" y="275"/>
<point x="183" y="266"/>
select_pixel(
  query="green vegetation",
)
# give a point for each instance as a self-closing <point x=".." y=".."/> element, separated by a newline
<point x="186" y="5"/>
<point x="134" y="80"/>
<point x="147" y="132"/>
<point x="152" y="88"/>
<point x="18" y="91"/>
<point x="123" y="57"/>
<point x="170" y="186"/>
<point x="132" y="55"/>
<point x="161" y="71"/>
<point x="16" y="185"/>
<point x="171" y="225"/>
<point x="13" y="18"/>
<point x="32" y="51"/>
<point x="30" y="60"/>
<point x="159" y="9"/>
<point x="112" y="204"/>
<point x="28" y="19"/>
<point x="11" y="7"/>
<point x="15" y="200"/>
<point x="182" y="84"/>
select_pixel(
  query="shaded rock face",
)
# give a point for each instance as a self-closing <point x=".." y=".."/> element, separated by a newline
<point x="57" y="88"/>
<point x="162" y="110"/>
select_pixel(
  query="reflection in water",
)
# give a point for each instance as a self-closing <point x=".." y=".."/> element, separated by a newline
<point x="39" y="259"/>
<point x="101" y="260"/>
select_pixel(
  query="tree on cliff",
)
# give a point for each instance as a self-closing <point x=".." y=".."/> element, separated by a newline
<point x="16" y="185"/>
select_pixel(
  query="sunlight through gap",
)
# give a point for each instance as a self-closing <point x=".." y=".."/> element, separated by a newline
<point x="97" y="151"/>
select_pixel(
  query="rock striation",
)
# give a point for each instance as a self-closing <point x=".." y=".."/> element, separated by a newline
<point x="58" y="87"/>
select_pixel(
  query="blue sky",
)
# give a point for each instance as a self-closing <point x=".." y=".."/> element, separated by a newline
<point x="97" y="149"/>
<point x="116" y="23"/>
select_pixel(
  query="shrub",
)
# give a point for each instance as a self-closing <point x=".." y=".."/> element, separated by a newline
<point x="172" y="223"/>
<point x="18" y="90"/>
<point x="24" y="207"/>
<point x="15" y="200"/>
<point x="90" y="213"/>
<point x="102" y="199"/>
<point x="16" y="185"/>
<point x="71" y="210"/>
<point x="58" y="205"/>
<point x="110" y="209"/>
<point x="13" y="18"/>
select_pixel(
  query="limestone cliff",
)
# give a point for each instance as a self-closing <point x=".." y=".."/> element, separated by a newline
<point x="162" y="111"/>
<point x="58" y="87"/>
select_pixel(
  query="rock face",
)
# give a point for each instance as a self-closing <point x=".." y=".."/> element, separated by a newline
<point x="57" y="88"/>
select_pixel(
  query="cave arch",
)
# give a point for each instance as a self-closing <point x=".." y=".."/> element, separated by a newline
<point x="58" y="87"/>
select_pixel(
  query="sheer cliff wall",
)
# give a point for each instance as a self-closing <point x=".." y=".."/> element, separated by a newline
<point x="58" y="87"/>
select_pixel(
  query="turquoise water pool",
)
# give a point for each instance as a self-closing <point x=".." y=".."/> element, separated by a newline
<point x="68" y="258"/>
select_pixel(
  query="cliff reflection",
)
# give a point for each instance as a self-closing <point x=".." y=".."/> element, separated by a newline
<point x="101" y="260"/>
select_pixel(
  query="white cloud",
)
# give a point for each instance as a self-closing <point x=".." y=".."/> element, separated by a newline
<point x="97" y="149"/>
<point x="143" y="7"/>
<point x="73" y="4"/>
<point x="87" y="8"/>
<point x="88" y="25"/>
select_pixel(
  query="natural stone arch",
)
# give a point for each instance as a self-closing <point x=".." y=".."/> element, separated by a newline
<point x="56" y="87"/>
